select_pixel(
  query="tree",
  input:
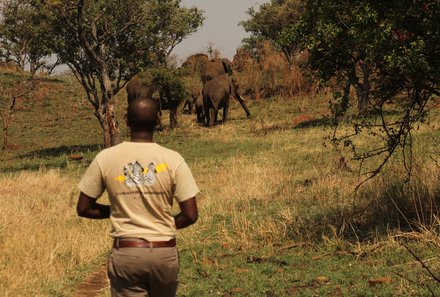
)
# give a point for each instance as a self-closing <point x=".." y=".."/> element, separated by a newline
<point x="24" y="35"/>
<point x="106" y="42"/>
<point x="270" y="23"/>
<point x="13" y="86"/>
<point x="388" y="51"/>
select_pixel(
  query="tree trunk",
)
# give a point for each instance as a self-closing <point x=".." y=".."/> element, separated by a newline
<point x="106" y="115"/>
<point x="111" y="127"/>
<point x="363" y="90"/>
<point x="5" y="119"/>
<point x="32" y="68"/>
<point x="362" y="93"/>
<point x="173" y="117"/>
<point x="109" y="136"/>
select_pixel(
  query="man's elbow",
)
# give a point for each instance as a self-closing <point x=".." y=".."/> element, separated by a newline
<point x="81" y="211"/>
<point x="193" y="218"/>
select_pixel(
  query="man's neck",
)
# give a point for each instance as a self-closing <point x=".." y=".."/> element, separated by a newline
<point x="137" y="136"/>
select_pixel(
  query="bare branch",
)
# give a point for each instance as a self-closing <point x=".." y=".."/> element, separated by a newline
<point x="431" y="274"/>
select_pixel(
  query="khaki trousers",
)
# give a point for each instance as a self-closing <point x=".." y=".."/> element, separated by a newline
<point x="136" y="272"/>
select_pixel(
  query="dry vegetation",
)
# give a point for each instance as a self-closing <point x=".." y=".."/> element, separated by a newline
<point x="42" y="241"/>
<point x="273" y="191"/>
<point x="269" y="74"/>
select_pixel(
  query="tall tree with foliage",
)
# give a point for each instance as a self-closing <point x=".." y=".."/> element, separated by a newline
<point x="271" y="21"/>
<point x="388" y="51"/>
<point x="24" y="35"/>
<point x="106" y="42"/>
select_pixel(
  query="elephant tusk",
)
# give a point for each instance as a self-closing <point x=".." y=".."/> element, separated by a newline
<point x="241" y="100"/>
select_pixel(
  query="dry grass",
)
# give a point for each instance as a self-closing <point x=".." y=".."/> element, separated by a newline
<point x="270" y="180"/>
<point x="42" y="240"/>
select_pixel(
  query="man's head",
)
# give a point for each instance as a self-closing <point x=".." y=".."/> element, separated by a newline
<point x="143" y="114"/>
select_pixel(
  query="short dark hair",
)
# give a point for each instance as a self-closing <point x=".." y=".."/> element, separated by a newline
<point x="142" y="114"/>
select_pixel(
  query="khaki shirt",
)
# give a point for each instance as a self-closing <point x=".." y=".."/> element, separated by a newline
<point x="141" y="179"/>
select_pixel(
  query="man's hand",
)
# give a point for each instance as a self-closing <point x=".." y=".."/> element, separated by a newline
<point x="188" y="213"/>
<point x="88" y="208"/>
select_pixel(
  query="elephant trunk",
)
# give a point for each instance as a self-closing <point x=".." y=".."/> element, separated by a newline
<point x="241" y="100"/>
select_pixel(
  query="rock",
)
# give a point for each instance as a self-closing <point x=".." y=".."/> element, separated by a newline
<point x="379" y="281"/>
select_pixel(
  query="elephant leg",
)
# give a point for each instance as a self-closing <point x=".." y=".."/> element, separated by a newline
<point x="225" y="114"/>
<point x="226" y="111"/>
<point x="207" y="115"/>
<point x="190" y="104"/>
<point x="213" y="116"/>
<point x="199" y="113"/>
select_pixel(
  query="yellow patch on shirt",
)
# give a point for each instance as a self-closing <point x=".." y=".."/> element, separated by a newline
<point x="120" y="178"/>
<point x="161" y="167"/>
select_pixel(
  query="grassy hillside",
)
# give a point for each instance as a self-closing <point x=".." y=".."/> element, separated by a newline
<point x="278" y="211"/>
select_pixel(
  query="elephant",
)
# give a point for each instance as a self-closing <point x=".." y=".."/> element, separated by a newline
<point x="216" y="95"/>
<point x="193" y="92"/>
<point x="194" y="63"/>
<point x="195" y="103"/>
<point x="215" y="67"/>
<point x="199" y="109"/>
<point x="139" y="87"/>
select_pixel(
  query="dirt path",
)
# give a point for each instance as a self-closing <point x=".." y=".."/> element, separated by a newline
<point x="94" y="284"/>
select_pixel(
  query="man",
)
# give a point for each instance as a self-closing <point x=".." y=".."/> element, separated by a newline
<point x="141" y="179"/>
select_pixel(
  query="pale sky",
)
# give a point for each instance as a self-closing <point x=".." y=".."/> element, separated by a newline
<point x="220" y="27"/>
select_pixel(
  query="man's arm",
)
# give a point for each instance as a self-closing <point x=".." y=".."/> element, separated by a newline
<point x="188" y="213"/>
<point x="88" y="208"/>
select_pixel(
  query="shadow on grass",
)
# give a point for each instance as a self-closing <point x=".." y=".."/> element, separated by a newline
<point x="51" y="158"/>
<point x="34" y="166"/>
<point x="304" y="122"/>
<point x="48" y="79"/>
<point x="324" y="121"/>
<point x="375" y="213"/>
<point x="61" y="151"/>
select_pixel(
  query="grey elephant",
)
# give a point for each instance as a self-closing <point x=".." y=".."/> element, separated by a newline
<point x="138" y="87"/>
<point x="215" y="67"/>
<point x="217" y="93"/>
<point x="145" y="87"/>
<point x="193" y="93"/>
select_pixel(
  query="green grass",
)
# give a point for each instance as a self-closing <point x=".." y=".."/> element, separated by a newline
<point x="278" y="217"/>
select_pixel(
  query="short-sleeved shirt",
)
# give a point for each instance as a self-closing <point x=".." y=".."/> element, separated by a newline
<point x="142" y="179"/>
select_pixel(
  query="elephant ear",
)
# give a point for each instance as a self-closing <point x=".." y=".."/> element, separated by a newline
<point x="227" y="65"/>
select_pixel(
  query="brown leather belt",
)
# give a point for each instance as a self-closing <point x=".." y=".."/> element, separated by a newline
<point x="126" y="243"/>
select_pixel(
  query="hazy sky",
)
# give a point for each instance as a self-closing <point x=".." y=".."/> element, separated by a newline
<point x="220" y="28"/>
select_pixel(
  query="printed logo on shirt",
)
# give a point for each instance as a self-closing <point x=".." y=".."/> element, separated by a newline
<point x="136" y="175"/>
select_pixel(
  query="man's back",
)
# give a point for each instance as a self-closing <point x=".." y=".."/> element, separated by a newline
<point x="141" y="180"/>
